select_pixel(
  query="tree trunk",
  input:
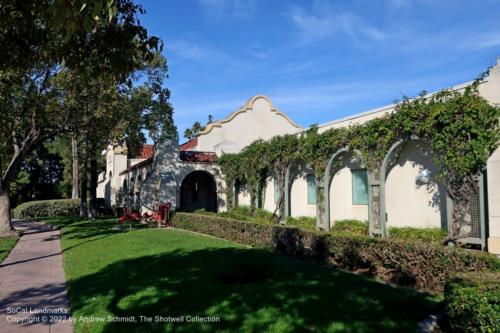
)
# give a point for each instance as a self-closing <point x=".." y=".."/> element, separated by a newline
<point x="461" y="194"/>
<point x="253" y="197"/>
<point x="92" y="211"/>
<point x="280" y="205"/>
<point x="5" y="222"/>
<point x="83" y="197"/>
<point x="20" y="151"/>
<point x="74" y="158"/>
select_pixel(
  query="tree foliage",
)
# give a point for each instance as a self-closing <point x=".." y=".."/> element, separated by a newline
<point x="191" y="132"/>
<point x="94" y="41"/>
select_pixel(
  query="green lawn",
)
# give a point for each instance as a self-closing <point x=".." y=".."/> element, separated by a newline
<point x="174" y="273"/>
<point x="6" y="244"/>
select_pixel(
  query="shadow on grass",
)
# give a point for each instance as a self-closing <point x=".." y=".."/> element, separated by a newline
<point x="78" y="228"/>
<point x="250" y="290"/>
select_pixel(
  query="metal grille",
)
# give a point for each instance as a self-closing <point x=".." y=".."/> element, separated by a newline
<point x="475" y="216"/>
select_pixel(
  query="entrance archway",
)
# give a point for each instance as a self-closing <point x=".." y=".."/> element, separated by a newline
<point x="199" y="191"/>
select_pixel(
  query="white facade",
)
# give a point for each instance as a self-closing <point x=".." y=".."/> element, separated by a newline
<point x="408" y="202"/>
<point x="257" y="119"/>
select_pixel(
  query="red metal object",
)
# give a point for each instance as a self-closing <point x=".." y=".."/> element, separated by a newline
<point x="129" y="216"/>
<point x="161" y="217"/>
<point x="164" y="214"/>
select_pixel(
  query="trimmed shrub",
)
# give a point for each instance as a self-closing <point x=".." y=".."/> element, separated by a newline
<point x="243" y="213"/>
<point x="414" y="264"/>
<point x="356" y="227"/>
<point x="304" y="222"/>
<point x="352" y="226"/>
<point x="473" y="302"/>
<point x="435" y="235"/>
<point x="46" y="208"/>
<point x="342" y="227"/>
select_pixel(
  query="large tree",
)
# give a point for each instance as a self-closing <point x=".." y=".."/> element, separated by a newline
<point x="111" y="111"/>
<point x="42" y="38"/>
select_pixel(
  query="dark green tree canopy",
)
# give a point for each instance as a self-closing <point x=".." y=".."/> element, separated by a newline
<point x="91" y="35"/>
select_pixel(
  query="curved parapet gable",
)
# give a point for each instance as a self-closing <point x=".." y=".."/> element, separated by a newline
<point x="257" y="119"/>
<point x="245" y="108"/>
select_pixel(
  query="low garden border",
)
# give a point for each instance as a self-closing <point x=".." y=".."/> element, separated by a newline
<point x="416" y="264"/>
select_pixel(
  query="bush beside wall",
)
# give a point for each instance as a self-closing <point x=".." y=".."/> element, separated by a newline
<point x="473" y="302"/>
<point x="415" y="264"/>
<point x="356" y="227"/>
<point x="434" y="235"/>
<point x="46" y="208"/>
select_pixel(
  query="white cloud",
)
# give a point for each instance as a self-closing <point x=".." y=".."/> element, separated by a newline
<point x="328" y="23"/>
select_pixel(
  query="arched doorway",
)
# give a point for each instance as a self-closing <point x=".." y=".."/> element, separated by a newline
<point x="199" y="191"/>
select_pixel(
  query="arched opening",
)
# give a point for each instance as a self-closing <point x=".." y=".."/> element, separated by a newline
<point x="348" y="189"/>
<point x="137" y="192"/>
<point x="124" y="194"/>
<point x="271" y="193"/>
<point x="302" y="191"/>
<point x="198" y="191"/>
<point x="408" y="200"/>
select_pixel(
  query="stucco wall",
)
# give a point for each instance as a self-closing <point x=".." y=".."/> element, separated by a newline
<point x="341" y="207"/>
<point x="163" y="184"/>
<point x="410" y="203"/>
<point x="298" y="197"/>
<point x="491" y="91"/>
<point x="493" y="168"/>
<point x="268" y="193"/>
<point x="243" y="198"/>
<point x="258" y="119"/>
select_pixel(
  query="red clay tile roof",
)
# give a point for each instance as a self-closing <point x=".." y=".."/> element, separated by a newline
<point x="189" y="144"/>
<point x="197" y="156"/>
<point x="146" y="152"/>
<point x="185" y="156"/>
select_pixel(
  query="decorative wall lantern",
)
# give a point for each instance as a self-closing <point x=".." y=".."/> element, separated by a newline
<point x="424" y="176"/>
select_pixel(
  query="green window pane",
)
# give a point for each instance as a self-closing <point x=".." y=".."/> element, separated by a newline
<point x="359" y="187"/>
<point x="276" y="192"/>
<point x="311" y="190"/>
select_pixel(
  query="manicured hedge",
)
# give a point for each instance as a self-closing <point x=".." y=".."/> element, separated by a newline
<point x="45" y="208"/>
<point x="473" y="302"/>
<point x="415" y="264"/>
<point x="435" y="235"/>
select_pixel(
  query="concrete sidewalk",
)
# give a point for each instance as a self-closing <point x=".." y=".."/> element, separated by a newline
<point x="33" y="294"/>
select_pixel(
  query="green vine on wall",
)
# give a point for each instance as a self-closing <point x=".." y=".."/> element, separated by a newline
<point x="461" y="127"/>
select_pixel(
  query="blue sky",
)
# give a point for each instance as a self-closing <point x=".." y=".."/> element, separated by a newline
<point x="317" y="60"/>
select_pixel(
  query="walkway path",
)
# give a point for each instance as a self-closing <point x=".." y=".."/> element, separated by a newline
<point x="32" y="283"/>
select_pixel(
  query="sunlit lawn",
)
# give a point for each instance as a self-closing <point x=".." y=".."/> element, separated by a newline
<point x="6" y="244"/>
<point x="177" y="273"/>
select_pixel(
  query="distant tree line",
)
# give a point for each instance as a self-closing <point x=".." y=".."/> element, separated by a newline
<point x="191" y="132"/>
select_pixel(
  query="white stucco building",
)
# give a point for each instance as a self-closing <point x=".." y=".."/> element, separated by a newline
<point x="187" y="176"/>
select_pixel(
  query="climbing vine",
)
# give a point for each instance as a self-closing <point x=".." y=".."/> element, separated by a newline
<point x="461" y="127"/>
<point x="231" y="165"/>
